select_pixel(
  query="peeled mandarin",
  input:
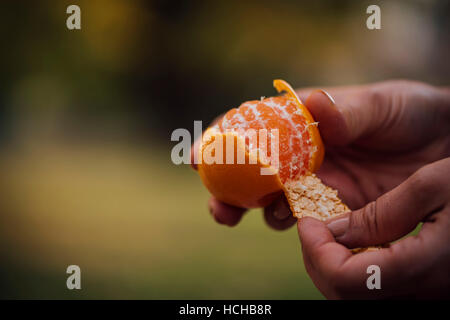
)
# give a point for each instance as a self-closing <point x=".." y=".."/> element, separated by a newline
<point x="300" y="154"/>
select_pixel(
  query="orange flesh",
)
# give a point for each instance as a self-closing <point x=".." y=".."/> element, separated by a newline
<point x="295" y="144"/>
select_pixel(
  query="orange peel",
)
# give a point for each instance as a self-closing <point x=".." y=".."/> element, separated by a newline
<point x="317" y="158"/>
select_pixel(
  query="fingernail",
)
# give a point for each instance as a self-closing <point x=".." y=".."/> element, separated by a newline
<point x="328" y="95"/>
<point x="338" y="227"/>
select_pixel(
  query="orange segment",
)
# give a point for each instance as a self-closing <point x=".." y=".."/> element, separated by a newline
<point x="281" y="113"/>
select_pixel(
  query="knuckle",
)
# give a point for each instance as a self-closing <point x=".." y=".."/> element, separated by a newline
<point x="377" y="98"/>
<point x="382" y="103"/>
<point x="371" y="217"/>
<point x="412" y="272"/>
<point x="422" y="183"/>
<point x="400" y="84"/>
<point x="365" y="222"/>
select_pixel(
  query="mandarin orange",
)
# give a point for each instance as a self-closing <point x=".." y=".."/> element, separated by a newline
<point x="300" y="154"/>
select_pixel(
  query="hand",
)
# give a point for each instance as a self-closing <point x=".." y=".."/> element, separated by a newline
<point x="416" y="266"/>
<point x="376" y="136"/>
<point x="352" y="160"/>
<point x="380" y="144"/>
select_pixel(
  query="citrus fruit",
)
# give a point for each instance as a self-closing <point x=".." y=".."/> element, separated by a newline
<point x="298" y="151"/>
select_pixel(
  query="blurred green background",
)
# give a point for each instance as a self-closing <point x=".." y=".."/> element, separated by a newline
<point x="86" y="118"/>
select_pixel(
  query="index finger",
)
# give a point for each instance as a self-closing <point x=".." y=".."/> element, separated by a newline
<point x="401" y="266"/>
<point x="324" y="254"/>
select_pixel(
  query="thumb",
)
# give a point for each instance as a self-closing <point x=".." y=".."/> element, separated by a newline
<point x="346" y="114"/>
<point x="397" y="212"/>
<point x="333" y="125"/>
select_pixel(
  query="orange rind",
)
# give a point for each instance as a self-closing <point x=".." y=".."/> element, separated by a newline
<point x="317" y="158"/>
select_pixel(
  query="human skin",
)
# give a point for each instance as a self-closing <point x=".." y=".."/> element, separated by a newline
<point x="386" y="149"/>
